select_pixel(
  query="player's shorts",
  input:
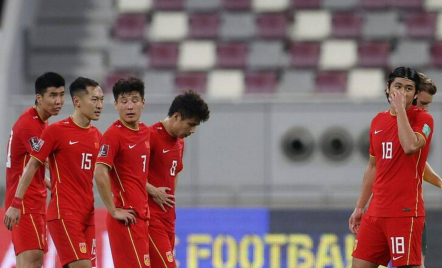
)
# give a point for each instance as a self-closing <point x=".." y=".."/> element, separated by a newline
<point x="424" y="240"/>
<point x="129" y="244"/>
<point x="381" y="239"/>
<point x="161" y="245"/>
<point x="73" y="240"/>
<point x="30" y="234"/>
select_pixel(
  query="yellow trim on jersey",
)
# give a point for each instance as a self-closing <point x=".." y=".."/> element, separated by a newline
<point x="418" y="180"/>
<point x="134" y="129"/>
<point x="103" y="164"/>
<point x="135" y="249"/>
<point x="78" y="124"/>
<point x="36" y="159"/>
<point x="122" y="199"/>
<point x="158" y="251"/>
<point x="56" y="197"/>
<point x="409" y="241"/>
<point x="19" y="177"/>
<point x="36" y="231"/>
<point x="56" y="167"/>
<point x="70" y="241"/>
<point x="425" y="139"/>
<point x="119" y="180"/>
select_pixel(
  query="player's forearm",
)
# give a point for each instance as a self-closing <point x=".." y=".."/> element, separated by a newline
<point x="408" y="139"/>
<point x="151" y="190"/>
<point x="26" y="178"/>
<point x="367" y="184"/>
<point x="176" y="182"/>
<point x="431" y="177"/>
<point x="101" y="176"/>
<point x="48" y="183"/>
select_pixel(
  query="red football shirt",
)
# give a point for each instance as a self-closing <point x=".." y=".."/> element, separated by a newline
<point x="24" y="136"/>
<point x="165" y="163"/>
<point x="72" y="151"/>
<point x="126" y="151"/>
<point x="397" y="189"/>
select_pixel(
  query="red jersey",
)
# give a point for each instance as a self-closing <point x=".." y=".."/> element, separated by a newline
<point x="24" y="137"/>
<point x="72" y="151"/>
<point x="126" y="151"/>
<point x="165" y="163"/>
<point x="397" y="189"/>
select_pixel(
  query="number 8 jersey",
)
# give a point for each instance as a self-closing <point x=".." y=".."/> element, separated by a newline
<point x="397" y="189"/>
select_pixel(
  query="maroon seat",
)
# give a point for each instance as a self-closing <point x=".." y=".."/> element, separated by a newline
<point x="130" y="27"/>
<point x="168" y="4"/>
<point x="272" y="25"/>
<point x="304" y="54"/>
<point x="204" y="25"/>
<point x="421" y="24"/>
<point x="347" y="24"/>
<point x="232" y="55"/>
<point x="113" y="77"/>
<point x="163" y="55"/>
<point x="373" y="4"/>
<point x="373" y="54"/>
<point x="331" y="82"/>
<point x="234" y="5"/>
<point x="305" y="4"/>
<point x="193" y="80"/>
<point x="261" y="82"/>
<point x="436" y="54"/>
<point x="408" y="4"/>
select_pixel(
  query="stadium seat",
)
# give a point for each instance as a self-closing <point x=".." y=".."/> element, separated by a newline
<point x="433" y="5"/>
<point x="347" y="24"/>
<point x="204" y="25"/>
<point x="436" y="54"/>
<point x="163" y="55"/>
<point x="305" y="4"/>
<point x="338" y="54"/>
<point x="113" y="77"/>
<point x="238" y="26"/>
<point x="193" y="80"/>
<point x="126" y="56"/>
<point x="237" y="5"/>
<point x="169" y="26"/>
<point x="232" y="55"/>
<point x="134" y="6"/>
<point x="270" y="6"/>
<point x="168" y="4"/>
<point x="159" y="82"/>
<point x="304" y="54"/>
<point x="415" y="54"/>
<point x="266" y="54"/>
<point x="311" y="25"/>
<point x="407" y="4"/>
<point x="374" y="4"/>
<point x="364" y="83"/>
<point x="438" y="34"/>
<point x="373" y="54"/>
<point x="331" y="82"/>
<point x="272" y="25"/>
<point x="339" y="4"/>
<point x="203" y="5"/>
<point x="297" y="81"/>
<point x="381" y="25"/>
<point x="197" y="55"/>
<point x="130" y="27"/>
<point x="261" y="82"/>
<point x="420" y="25"/>
<point x="225" y="84"/>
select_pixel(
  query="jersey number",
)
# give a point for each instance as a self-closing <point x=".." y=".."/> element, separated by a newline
<point x="397" y="245"/>
<point x="173" y="168"/>
<point x="8" y="158"/>
<point x="144" y="157"/>
<point x="86" y="162"/>
<point x="387" y="150"/>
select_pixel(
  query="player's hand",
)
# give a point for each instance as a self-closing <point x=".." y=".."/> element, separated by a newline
<point x="126" y="215"/>
<point x="398" y="101"/>
<point x="162" y="198"/>
<point x="355" y="220"/>
<point x="12" y="217"/>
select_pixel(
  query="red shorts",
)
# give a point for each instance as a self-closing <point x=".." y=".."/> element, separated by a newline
<point x="73" y="240"/>
<point x="129" y="244"/>
<point x="30" y="233"/>
<point x="381" y="239"/>
<point x="161" y="245"/>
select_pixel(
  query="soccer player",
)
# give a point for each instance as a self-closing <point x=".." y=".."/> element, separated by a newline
<point x="29" y="237"/>
<point x="72" y="147"/>
<point x="400" y="138"/>
<point x="121" y="174"/>
<point x="187" y="111"/>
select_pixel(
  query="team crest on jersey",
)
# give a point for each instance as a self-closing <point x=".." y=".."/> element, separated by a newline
<point x="36" y="143"/>
<point x="104" y="150"/>
<point x="147" y="260"/>
<point x="169" y="256"/>
<point x="83" y="248"/>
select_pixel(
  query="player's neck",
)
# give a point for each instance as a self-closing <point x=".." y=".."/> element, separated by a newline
<point x="167" y="123"/>
<point x="42" y="113"/>
<point x="80" y="120"/>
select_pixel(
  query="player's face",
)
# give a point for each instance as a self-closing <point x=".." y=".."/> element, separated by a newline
<point x="182" y="128"/>
<point x="91" y="104"/>
<point x="424" y="99"/>
<point x="51" y="101"/>
<point x="405" y="86"/>
<point x="129" y="106"/>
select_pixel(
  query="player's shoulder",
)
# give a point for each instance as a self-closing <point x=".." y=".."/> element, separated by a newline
<point x="418" y="112"/>
<point x="59" y="124"/>
<point x="155" y="128"/>
<point x="382" y="115"/>
<point x="28" y="118"/>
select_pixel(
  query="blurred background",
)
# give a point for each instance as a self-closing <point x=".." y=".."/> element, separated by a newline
<point x="292" y="86"/>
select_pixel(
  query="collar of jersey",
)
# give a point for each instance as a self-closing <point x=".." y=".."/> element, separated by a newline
<point x="35" y="108"/>
<point x="131" y="128"/>
<point x="72" y="119"/>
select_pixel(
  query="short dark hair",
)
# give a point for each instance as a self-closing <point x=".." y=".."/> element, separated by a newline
<point x="190" y="105"/>
<point x="79" y="85"/>
<point x="404" y="72"/>
<point x="128" y="85"/>
<point x="46" y="80"/>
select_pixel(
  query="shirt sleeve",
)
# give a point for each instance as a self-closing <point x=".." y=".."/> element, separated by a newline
<point x="109" y="147"/>
<point x="45" y="146"/>
<point x="423" y="125"/>
<point x="29" y="137"/>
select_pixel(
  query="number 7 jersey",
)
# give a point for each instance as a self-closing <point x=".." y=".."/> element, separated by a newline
<point x="397" y="189"/>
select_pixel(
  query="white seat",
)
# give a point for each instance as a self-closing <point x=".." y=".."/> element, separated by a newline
<point x="311" y="25"/>
<point x="225" y="84"/>
<point x="197" y="55"/>
<point x="338" y="54"/>
<point x="134" y="6"/>
<point x="363" y="83"/>
<point x="435" y="5"/>
<point x="438" y="33"/>
<point x="169" y="26"/>
<point x="269" y="6"/>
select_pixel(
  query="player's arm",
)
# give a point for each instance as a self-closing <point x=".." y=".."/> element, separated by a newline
<point x="176" y="181"/>
<point x="366" y="191"/>
<point x="12" y="215"/>
<point x="101" y="176"/>
<point x="160" y="196"/>
<point x="430" y="176"/>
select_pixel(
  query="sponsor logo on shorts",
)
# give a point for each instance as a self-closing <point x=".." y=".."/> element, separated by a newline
<point x="83" y="247"/>
<point x="104" y="150"/>
<point x="146" y="260"/>
<point x="169" y="256"/>
<point x="36" y="143"/>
